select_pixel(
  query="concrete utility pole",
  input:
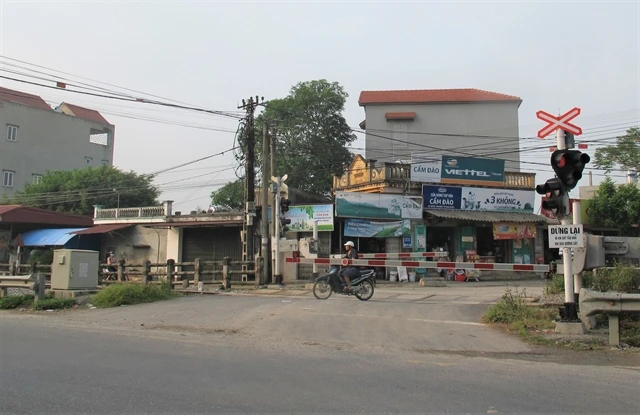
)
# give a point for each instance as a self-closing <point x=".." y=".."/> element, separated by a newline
<point x="249" y="150"/>
<point x="264" y="221"/>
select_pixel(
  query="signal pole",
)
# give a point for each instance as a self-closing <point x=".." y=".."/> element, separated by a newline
<point x="567" y="260"/>
<point x="249" y="150"/>
<point x="264" y="220"/>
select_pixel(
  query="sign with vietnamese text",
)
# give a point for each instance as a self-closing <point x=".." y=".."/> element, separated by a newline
<point x="477" y="198"/>
<point x="566" y="236"/>
<point x="378" y="206"/>
<point x="302" y="218"/>
<point x="369" y="229"/>
<point x="426" y="168"/>
<point x="435" y="168"/>
<point x="442" y="197"/>
<point x="502" y="231"/>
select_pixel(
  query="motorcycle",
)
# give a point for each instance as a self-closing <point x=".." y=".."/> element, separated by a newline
<point x="362" y="286"/>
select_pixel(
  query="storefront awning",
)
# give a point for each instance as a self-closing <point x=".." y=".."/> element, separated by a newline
<point x="488" y="216"/>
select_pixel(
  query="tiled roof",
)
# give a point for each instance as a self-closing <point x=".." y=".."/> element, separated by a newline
<point x="8" y="208"/>
<point x="84" y="113"/>
<point x="425" y="96"/>
<point x="29" y="100"/>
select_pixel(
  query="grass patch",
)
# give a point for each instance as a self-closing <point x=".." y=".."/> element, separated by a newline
<point x="513" y="311"/>
<point x="15" y="301"/>
<point x="53" y="304"/>
<point x="116" y="295"/>
<point x="28" y="301"/>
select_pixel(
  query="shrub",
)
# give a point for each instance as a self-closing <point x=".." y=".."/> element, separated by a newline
<point x="116" y="295"/>
<point x="15" y="301"/>
<point x="510" y="308"/>
<point x="555" y="285"/>
<point x="621" y="278"/>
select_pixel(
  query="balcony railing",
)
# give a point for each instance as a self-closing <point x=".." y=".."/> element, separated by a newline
<point x="394" y="173"/>
<point x="135" y="213"/>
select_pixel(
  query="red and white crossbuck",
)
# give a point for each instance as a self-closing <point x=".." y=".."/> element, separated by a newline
<point x="421" y="264"/>
<point x="554" y="123"/>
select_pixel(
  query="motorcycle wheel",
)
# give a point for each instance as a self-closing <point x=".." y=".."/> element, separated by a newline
<point x="322" y="290"/>
<point x="368" y="288"/>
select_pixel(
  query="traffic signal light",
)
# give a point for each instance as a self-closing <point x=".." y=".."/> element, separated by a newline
<point x="568" y="165"/>
<point x="555" y="193"/>
<point x="285" y="221"/>
<point x="284" y="205"/>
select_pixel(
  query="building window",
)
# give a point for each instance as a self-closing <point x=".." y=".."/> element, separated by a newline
<point x="37" y="179"/>
<point x="87" y="161"/>
<point x="7" y="178"/>
<point x="105" y="162"/>
<point x="12" y="132"/>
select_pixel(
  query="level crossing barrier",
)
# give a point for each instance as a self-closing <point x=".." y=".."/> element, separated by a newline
<point x="398" y="255"/>
<point x="421" y="264"/>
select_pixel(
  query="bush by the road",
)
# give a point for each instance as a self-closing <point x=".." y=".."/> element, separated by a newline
<point x="621" y="278"/>
<point x="116" y="295"/>
<point x="27" y="301"/>
<point x="514" y="311"/>
<point x="15" y="301"/>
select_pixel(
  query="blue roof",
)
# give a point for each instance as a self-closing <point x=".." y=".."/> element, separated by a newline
<point x="49" y="237"/>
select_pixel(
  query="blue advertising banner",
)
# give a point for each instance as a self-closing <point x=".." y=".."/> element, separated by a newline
<point x="442" y="197"/>
<point x="477" y="198"/>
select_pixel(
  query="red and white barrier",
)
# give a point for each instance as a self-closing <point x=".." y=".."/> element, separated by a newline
<point x="422" y="264"/>
<point x="398" y="255"/>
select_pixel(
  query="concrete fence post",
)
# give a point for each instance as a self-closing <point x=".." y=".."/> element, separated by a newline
<point x="170" y="272"/>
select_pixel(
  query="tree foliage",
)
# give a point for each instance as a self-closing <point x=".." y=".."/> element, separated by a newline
<point x="77" y="191"/>
<point x="312" y="134"/>
<point x="616" y="207"/>
<point x="231" y="195"/>
<point x="625" y="153"/>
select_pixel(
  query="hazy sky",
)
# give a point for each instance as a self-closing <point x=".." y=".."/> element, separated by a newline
<point x="554" y="55"/>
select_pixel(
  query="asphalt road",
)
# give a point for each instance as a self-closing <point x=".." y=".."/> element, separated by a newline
<point x="48" y="367"/>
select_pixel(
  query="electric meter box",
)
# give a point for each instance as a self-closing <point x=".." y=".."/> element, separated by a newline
<point x="74" y="269"/>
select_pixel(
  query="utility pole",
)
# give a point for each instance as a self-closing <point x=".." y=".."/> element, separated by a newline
<point x="248" y="251"/>
<point x="274" y="168"/>
<point x="264" y="224"/>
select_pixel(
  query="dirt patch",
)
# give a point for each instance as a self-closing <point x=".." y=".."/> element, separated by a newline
<point x="193" y="329"/>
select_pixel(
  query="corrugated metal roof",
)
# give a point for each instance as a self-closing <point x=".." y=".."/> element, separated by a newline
<point x="49" y="237"/>
<point x="487" y="216"/>
<point x="102" y="229"/>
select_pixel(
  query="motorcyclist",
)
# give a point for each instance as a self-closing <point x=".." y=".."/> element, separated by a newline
<point x="347" y="272"/>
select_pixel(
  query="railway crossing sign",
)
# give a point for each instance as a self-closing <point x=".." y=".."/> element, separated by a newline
<point x="562" y="121"/>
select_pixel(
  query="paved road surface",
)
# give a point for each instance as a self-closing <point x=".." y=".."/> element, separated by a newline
<point x="69" y="370"/>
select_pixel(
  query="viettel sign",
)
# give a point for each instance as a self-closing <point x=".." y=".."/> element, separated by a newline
<point x="471" y="170"/>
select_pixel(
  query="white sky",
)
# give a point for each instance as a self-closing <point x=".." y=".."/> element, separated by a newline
<point x="554" y="55"/>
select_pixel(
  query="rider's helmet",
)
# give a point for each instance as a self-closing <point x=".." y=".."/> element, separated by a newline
<point x="350" y="243"/>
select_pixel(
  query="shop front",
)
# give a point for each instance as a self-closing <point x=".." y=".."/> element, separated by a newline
<point x="493" y="225"/>
<point x="379" y="223"/>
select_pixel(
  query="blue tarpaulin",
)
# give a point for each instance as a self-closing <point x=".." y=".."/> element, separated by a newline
<point x="49" y="237"/>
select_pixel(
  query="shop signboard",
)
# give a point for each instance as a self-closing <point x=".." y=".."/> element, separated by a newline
<point x="378" y="206"/>
<point x="369" y="229"/>
<point x="426" y="168"/>
<point x="442" y="197"/>
<point x="435" y="168"/>
<point x="477" y="199"/>
<point x="471" y="170"/>
<point x="505" y="230"/>
<point x="302" y="218"/>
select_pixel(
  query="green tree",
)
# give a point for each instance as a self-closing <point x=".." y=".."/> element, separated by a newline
<point x="616" y="207"/>
<point x="312" y="134"/>
<point x="231" y="195"/>
<point x="77" y="191"/>
<point x="624" y="153"/>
